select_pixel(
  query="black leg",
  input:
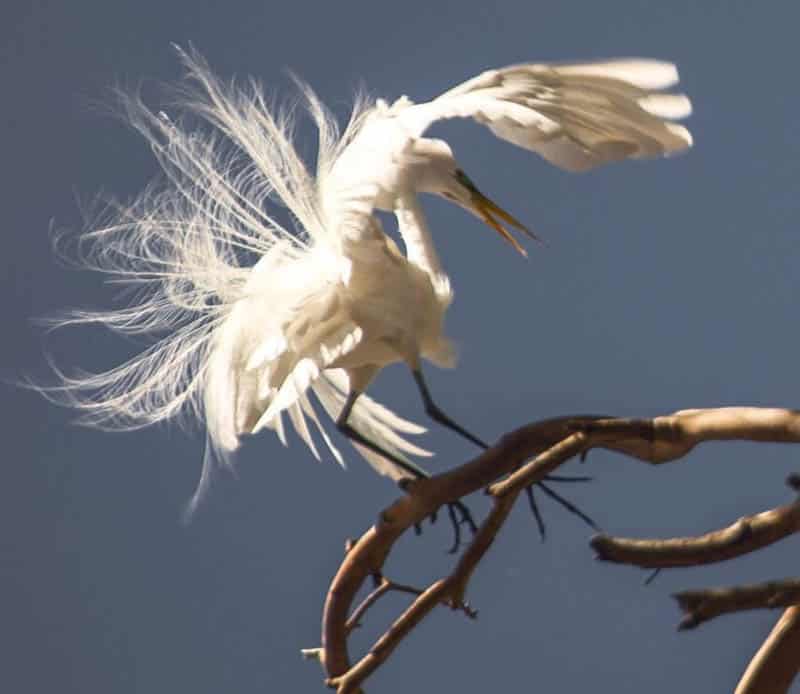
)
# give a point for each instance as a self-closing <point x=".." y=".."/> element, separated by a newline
<point x="572" y="508"/>
<point x="458" y="512"/>
<point x="438" y="415"/>
<point x="535" y="511"/>
<point x="358" y="437"/>
<point x="435" y="413"/>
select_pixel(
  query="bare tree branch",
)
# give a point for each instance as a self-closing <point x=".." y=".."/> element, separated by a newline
<point x="368" y="555"/>
<point x="742" y="537"/>
<point x="384" y="586"/>
<point x="702" y="605"/>
<point x="551" y="443"/>
<point x="670" y="437"/>
<point x="539" y="467"/>
<point x="776" y="664"/>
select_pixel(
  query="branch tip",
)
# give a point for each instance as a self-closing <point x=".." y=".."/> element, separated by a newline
<point x="312" y="653"/>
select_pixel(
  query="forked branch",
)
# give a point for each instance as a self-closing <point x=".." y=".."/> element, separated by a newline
<point x="546" y="445"/>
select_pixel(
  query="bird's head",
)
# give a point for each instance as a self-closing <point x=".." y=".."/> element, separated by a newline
<point x="446" y="178"/>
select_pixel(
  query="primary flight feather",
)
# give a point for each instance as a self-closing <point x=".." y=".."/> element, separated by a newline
<point x="252" y="318"/>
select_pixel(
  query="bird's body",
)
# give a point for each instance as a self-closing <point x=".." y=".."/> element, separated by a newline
<point x="259" y="318"/>
<point x="316" y="313"/>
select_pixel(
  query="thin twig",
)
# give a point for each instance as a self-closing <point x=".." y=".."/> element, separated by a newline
<point x="384" y="586"/>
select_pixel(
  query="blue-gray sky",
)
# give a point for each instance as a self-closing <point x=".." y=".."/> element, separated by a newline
<point x="663" y="285"/>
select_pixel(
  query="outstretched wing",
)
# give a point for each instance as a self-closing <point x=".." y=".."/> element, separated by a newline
<point x="577" y="116"/>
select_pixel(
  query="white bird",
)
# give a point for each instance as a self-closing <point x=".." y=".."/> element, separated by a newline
<point x="252" y="317"/>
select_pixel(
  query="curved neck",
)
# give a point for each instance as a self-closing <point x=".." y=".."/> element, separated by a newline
<point x="414" y="229"/>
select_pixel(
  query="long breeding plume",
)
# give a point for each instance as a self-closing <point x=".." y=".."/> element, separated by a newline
<point x="250" y="318"/>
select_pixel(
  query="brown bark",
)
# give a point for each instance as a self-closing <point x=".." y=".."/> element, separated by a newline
<point x="777" y="662"/>
<point x="549" y="444"/>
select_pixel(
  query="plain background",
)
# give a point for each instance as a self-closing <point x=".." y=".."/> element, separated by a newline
<point x="663" y="285"/>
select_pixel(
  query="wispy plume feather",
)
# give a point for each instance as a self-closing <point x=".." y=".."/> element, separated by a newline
<point x="185" y="250"/>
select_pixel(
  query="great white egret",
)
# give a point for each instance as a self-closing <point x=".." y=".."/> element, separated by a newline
<point x="252" y="317"/>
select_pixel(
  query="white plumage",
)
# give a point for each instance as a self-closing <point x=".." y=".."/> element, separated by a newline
<point x="252" y="318"/>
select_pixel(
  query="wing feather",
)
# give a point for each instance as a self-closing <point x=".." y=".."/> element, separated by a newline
<point x="642" y="73"/>
<point x="576" y="116"/>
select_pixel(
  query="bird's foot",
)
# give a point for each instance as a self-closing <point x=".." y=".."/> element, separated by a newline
<point x="571" y="507"/>
<point x="459" y="515"/>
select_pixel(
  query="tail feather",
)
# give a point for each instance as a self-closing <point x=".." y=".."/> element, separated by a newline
<point x="603" y="112"/>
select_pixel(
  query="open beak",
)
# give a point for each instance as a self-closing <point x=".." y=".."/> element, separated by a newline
<point x="490" y="213"/>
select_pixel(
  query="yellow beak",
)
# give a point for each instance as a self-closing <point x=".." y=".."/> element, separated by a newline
<point x="487" y="211"/>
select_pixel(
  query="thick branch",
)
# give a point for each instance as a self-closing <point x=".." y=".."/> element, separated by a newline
<point x="542" y="465"/>
<point x="777" y="663"/>
<point x="745" y="535"/>
<point x="702" y="605"/>
<point x="670" y="437"/>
